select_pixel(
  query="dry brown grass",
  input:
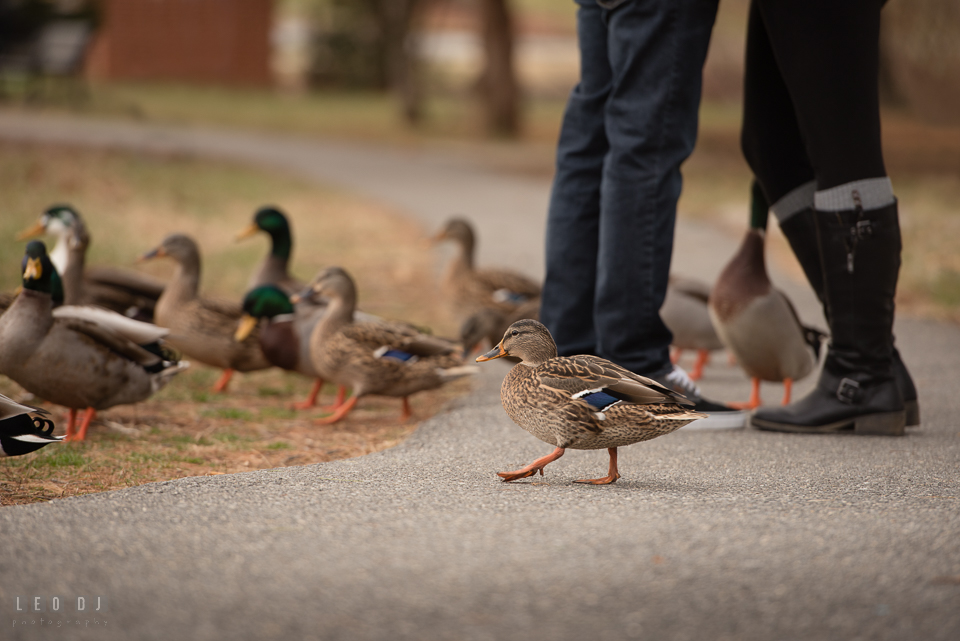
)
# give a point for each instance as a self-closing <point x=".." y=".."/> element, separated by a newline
<point x="130" y="202"/>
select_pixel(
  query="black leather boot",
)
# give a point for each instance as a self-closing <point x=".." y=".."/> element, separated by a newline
<point x="857" y="390"/>
<point x="801" y="232"/>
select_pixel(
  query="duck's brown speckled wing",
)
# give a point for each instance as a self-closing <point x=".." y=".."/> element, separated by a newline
<point x="495" y="279"/>
<point x="576" y="374"/>
<point x="398" y="336"/>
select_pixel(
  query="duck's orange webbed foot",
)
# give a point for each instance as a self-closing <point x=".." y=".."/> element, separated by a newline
<point x="533" y="468"/>
<point x="341" y="412"/>
<point x="221" y="385"/>
<point x="606" y="480"/>
<point x="612" y="473"/>
<point x="311" y="399"/>
<point x="754" y="401"/>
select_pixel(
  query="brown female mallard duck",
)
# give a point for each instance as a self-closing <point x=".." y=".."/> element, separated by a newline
<point x="389" y="359"/>
<point x="202" y="328"/>
<point x="757" y="322"/>
<point x="274" y="268"/>
<point x="489" y="324"/>
<point x="685" y="314"/>
<point x="73" y="361"/>
<point x="21" y="433"/>
<point x="121" y="290"/>
<point x="470" y="289"/>
<point x="580" y="402"/>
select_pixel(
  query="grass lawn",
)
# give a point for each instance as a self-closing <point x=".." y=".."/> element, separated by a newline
<point x="130" y="202"/>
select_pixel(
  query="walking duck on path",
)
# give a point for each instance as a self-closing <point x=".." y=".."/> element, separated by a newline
<point x="580" y="402"/>
<point x="388" y="359"/>
<point x="202" y="328"/>
<point x="71" y="361"/>
<point x="756" y="321"/>
<point x="21" y="433"/>
<point x="470" y="290"/>
<point x="122" y="290"/>
<point x="274" y="270"/>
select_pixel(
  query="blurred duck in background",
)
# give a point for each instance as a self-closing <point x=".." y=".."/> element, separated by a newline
<point x="202" y="328"/>
<point x="685" y="314"/>
<point x="123" y="290"/>
<point x="388" y="359"/>
<point x="74" y="360"/>
<point x="284" y="334"/>
<point x="274" y="270"/>
<point x="470" y="290"/>
<point x="756" y="321"/>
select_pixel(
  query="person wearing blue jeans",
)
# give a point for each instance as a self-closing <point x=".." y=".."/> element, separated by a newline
<point x="629" y="124"/>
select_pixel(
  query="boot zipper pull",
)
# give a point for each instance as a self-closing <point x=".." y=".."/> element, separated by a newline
<point x="861" y="229"/>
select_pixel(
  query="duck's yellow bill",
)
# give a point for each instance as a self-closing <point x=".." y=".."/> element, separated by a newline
<point x="247" y="231"/>
<point x="247" y="323"/>
<point x="32" y="232"/>
<point x="33" y="270"/>
<point x="496" y="352"/>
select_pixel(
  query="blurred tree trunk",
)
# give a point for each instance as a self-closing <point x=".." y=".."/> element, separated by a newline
<point x="498" y="82"/>
<point x="920" y="57"/>
<point x="397" y="17"/>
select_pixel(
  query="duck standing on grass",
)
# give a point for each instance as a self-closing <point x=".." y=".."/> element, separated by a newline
<point x="121" y="290"/>
<point x="580" y="402"/>
<point x="274" y="270"/>
<point x="21" y="433"/>
<point x="285" y="330"/>
<point x="388" y="359"/>
<point x="202" y="328"/>
<point x="72" y="361"/>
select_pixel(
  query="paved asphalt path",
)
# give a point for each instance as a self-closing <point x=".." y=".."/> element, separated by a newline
<point x="736" y="535"/>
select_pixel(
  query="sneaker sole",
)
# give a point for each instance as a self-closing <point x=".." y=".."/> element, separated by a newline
<point x="718" y="421"/>
<point x="883" y="424"/>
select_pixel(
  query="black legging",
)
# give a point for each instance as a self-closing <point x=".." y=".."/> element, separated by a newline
<point x="811" y="106"/>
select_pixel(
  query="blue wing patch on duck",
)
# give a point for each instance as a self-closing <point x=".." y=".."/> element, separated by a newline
<point x="398" y="355"/>
<point x="598" y="399"/>
<point x="504" y="295"/>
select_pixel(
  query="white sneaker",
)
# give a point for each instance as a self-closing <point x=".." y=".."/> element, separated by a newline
<point x="719" y="416"/>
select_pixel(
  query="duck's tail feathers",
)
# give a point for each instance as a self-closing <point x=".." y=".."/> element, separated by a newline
<point x="161" y="378"/>
<point x="37" y="438"/>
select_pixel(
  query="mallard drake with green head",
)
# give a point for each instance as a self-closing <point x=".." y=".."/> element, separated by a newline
<point x="388" y="359"/>
<point x="202" y="328"/>
<point x="274" y="270"/>
<point x="756" y="321"/>
<point x="21" y="433"/>
<point x="470" y="289"/>
<point x="580" y="402"/>
<point x="285" y="330"/>
<point x="121" y="290"/>
<point x="72" y="361"/>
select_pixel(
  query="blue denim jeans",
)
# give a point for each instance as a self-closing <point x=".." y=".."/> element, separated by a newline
<point x="629" y="124"/>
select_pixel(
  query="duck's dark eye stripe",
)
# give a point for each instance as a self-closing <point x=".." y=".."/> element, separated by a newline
<point x="600" y="400"/>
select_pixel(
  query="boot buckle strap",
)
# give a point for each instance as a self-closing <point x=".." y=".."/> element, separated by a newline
<point x="849" y="391"/>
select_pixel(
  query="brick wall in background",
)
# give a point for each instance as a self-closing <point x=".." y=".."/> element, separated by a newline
<point x="204" y="41"/>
